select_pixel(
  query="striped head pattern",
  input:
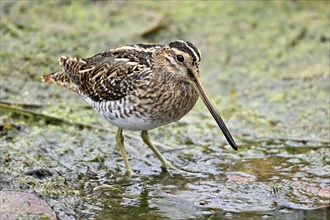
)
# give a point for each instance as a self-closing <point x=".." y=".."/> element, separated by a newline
<point x="181" y="59"/>
<point x="185" y="58"/>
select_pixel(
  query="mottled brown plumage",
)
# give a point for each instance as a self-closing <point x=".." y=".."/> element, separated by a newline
<point x="139" y="87"/>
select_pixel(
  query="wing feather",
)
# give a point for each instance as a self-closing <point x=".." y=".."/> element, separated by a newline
<point x="106" y="76"/>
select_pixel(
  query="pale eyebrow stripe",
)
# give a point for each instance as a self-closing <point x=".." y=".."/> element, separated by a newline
<point x="191" y="49"/>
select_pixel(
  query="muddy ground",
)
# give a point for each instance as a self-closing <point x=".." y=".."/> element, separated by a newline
<point x="265" y="66"/>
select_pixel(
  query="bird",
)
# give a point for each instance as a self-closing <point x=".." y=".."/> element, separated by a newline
<point x="139" y="87"/>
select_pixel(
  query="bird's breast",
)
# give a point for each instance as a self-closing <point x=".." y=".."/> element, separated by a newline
<point x="149" y="107"/>
<point x="167" y="102"/>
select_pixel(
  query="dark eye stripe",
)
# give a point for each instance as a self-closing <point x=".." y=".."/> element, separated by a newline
<point x="187" y="47"/>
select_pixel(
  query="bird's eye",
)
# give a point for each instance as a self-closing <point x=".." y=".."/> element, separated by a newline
<point x="180" y="58"/>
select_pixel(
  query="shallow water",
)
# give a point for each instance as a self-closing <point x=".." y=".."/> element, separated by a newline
<point x="265" y="67"/>
<point x="89" y="180"/>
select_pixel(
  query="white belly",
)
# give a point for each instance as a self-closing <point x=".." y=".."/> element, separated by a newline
<point x="131" y="121"/>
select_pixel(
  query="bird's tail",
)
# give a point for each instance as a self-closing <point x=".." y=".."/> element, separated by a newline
<point x="48" y="78"/>
<point x="70" y="75"/>
<point x="61" y="79"/>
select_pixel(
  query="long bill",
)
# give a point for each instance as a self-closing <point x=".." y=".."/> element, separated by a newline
<point x="202" y="93"/>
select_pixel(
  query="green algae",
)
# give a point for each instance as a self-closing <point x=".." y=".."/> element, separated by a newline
<point x="265" y="65"/>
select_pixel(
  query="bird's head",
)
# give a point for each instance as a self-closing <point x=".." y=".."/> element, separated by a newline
<point x="181" y="59"/>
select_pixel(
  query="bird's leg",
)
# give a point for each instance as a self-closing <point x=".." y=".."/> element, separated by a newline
<point x="165" y="163"/>
<point x="120" y="143"/>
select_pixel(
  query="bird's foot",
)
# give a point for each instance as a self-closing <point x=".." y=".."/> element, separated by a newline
<point x="167" y="166"/>
<point x="130" y="172"/>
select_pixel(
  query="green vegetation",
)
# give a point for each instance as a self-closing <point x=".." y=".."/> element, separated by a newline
<point x="264" y="63"/>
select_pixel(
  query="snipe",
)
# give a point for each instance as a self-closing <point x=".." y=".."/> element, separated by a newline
<point x="139" y="87"/>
